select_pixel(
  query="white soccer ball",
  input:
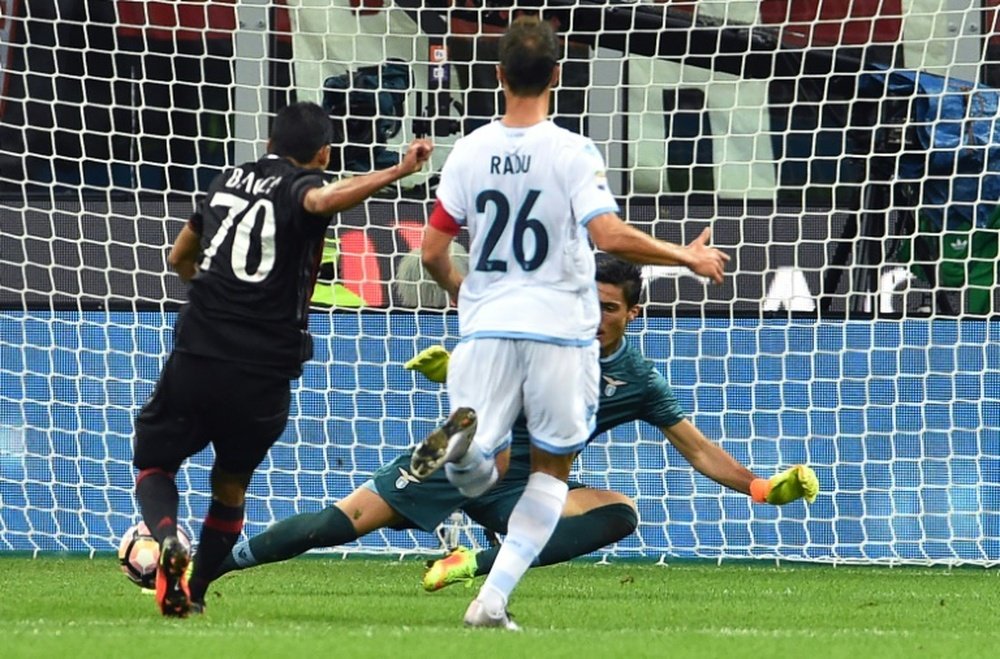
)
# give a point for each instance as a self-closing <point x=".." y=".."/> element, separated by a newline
<point x="139" y="554"/>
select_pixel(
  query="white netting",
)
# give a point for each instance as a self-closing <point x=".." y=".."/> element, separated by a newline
<point x="844" y="152"/>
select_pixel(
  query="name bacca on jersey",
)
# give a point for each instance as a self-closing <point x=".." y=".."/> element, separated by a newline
<point x="248" y="182"/>
<point x="258" y="244"/>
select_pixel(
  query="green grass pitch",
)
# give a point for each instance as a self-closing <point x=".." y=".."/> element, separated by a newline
<point x="57" y="606"/>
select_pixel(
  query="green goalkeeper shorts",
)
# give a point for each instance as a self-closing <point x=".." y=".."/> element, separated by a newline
<point x="426" y="504"/>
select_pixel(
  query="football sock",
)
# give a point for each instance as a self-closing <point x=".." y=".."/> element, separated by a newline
<point x="473" y="474"/>
<point x="156" y="494"/>
<point x="576" y="536"/>
<point x="290" y="537"/>
<point x="531" y="524"/>
<point x="218" y="535"/>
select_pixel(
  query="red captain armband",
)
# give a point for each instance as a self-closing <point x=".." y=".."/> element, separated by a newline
<point x="441" y="220"/>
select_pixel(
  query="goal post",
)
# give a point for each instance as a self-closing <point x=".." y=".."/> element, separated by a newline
<point x="843" y="153"/>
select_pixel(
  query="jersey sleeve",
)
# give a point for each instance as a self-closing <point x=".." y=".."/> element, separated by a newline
<point x="449" y="190"/>
<point x="197" y="219"/>
<point x="590" y="194"/>
<point x="660" y="406"/>
<point x="302" y="184"/>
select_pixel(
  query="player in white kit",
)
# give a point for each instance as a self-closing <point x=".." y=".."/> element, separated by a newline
<point x="532" y="196"/>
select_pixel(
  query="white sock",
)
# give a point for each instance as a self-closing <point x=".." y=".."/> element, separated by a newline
<point x="531" y="524"/>
<point x="473" y="474"/>
<point x="242" y="555"/>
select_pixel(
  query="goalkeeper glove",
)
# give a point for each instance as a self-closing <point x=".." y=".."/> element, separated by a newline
<point x="798" y="482"/>
<point x="431" y="362"/>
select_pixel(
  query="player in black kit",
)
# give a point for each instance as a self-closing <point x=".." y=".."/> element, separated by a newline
<point x="250" y="252"/>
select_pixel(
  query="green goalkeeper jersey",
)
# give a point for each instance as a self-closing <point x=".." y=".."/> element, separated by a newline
<point x="631" y="390"/>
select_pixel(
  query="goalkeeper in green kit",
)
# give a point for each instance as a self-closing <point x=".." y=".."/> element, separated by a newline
<point x="632" y="389"/>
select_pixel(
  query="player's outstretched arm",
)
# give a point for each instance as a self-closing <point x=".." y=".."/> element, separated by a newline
<point x="707" y="457"/>
<point x="347" y="193"/>
<point x="431" y="362"/>
<point x="713" y="461"/>
<point x="612" y="235"/>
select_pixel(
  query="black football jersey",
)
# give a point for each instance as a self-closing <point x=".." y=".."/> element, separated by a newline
<point x="259" y="250"/>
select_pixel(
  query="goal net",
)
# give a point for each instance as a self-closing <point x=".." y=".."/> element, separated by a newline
<point x="846" y="154"/>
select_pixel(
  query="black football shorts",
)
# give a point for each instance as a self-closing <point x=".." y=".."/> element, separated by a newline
<point x="199" y="400"/>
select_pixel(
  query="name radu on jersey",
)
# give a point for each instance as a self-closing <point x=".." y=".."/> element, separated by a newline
<point x="510" y="164"/>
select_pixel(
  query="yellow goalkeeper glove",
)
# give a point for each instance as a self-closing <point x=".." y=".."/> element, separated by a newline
<point x="798" y="482"/>
<point x="431" y="362"/>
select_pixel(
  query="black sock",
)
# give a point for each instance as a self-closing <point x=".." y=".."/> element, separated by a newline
<point x="576" y="536"/>
<point x="219" y="533"/>
<point x="290" y="537"/>
<point x="156" y="493"/>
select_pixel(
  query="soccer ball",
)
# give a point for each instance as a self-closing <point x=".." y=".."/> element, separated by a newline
<point x="139" y="554"/>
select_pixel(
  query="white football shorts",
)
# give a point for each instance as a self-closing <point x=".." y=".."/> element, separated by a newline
<point x="556" y="387"/>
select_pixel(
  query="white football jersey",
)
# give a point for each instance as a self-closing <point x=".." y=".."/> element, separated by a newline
<point x="526" y="196"/>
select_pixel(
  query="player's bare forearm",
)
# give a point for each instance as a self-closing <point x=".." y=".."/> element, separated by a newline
<point x="435" y="254"/>
<point x="708" y="458"/>
<point x="612" y="235"/>
<point x="183" y="257"/>
<point x="444" y="273"/>
<point x="452" y="284"/>
<point x="186" y="270"/>
<point x="348" y="193"/>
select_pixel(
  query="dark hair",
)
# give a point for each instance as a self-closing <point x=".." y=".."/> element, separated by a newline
<point x="299" y="131"/>
<point x="529" y="52"/>
<point x="627" y="276"/>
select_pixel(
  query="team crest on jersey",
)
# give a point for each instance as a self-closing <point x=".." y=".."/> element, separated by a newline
<point x="405" y="478"/>
<point x="601" y="178"/>
<point x="611" y="385"/>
